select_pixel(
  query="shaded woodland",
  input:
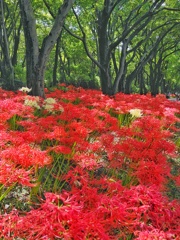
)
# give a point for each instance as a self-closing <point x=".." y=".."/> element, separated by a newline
<point x="116" y="46"/>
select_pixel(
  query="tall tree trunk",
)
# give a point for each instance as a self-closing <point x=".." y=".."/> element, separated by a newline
<point x="16" y="45"/>
<point x="152" y="80"/>
<point x="141" y="82"/>
<point x="103" y="43"/>
<point x="36" y="59"/>
<point x="56" y="62"/>
<point x="8" y="71"/>
<point x="121" y="71"/>
<point x="31" y="41"/>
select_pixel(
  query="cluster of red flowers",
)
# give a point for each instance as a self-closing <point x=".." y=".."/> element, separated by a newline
<point x="119" y="150"/>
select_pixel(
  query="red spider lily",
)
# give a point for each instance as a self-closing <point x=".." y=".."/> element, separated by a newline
<point x="10" y="173"/>
<point x="26" y="156"/>
<point x="4" y="138"/>
<point x="14" y="108"/>
<point x="96" y="205"/>
<point x="61" y="149"/>
<point x="93" y="215"/>
<point x="177" y="180"/>
<point x="154" y="234"/>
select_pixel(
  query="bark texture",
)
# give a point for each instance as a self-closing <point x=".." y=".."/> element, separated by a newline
<point x="36" y="57"/>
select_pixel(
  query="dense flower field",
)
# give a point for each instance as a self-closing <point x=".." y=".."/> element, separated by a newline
<point x="81" y="165"/>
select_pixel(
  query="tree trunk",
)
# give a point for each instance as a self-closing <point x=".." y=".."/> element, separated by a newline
<point x="121" y="71"/>
<point x="16" y="45"/>
<point x="36" y="59"/>
<point x="104" y="58"/>
<point x="8" y="71"/>
<point x="31" y="41"/>
<point x="56" y="62"/>
<point x="152" y="80"/>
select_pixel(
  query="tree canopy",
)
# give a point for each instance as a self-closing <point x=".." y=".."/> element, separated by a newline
<point x="118" y="46"/>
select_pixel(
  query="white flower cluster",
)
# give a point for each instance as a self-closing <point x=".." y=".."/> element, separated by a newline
<point x="25" y="89"/>
<point x="136" y="112"/>
<point x="32" y="102"/>
<point x="49" y="105"/>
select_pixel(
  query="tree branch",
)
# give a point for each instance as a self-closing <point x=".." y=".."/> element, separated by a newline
<point x="172" y="9"/>
<point x="83" y="39"/>
<point x="49" y="9"/>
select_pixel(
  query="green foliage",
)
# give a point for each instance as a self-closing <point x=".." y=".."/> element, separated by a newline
<point x="20" y="73"/>
<point x="73" y="64"/>
<point x="51" y="178"/>
<point x="5" y="190"/>
<point x="13" y="123"/>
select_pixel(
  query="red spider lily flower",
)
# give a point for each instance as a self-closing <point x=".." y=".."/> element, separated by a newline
<point x="52" y="220"/>
<point x="26" y="156"/>
<point x="96" y="206"/>
<point x="61" y="149"/>
<point x="86" y="160"/>
<point x="14" y="108"/>
<point x="4" y="139"/>
<point x="10" y="173"/>
<point x="154" y="234"/>
<point x="87" y="213"/>
<point x="177" y="180"/>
